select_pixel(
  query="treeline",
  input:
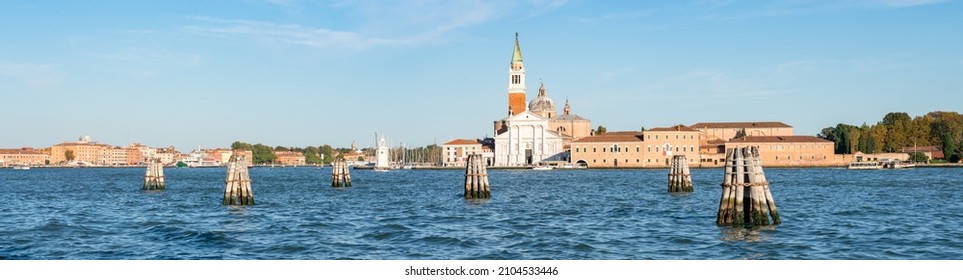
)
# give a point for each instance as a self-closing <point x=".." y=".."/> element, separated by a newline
<point x="898" y="130"/>
<point x="264" y="154"/>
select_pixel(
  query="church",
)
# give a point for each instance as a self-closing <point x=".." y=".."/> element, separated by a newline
<point x="534" y="133"/>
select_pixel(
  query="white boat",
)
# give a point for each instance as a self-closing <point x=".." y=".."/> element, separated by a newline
<point x="542" y="167"/>
<point x="865" y="165"/>
<point x="896" y="164"/>
<point x="21" y="167"/>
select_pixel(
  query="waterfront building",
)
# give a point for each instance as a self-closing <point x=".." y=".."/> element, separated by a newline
<point x="84" y="151"/>
<point x="789" y="151"/>
<point x="612" y="149"/>
<point x="527" y="135"/>
<point x="23" y="156"/>
<point x="728" y="130"/>
<point x="289" y="158"/>
<point x="570" y="126"/>
<point x="650" y="148"/>
<point x="113" y="156"/>
<point x="354" y="156"/>
<point x="931" y="152"/>
<point x="456" y="152"/>
<point x="166" y="156"/>
<point x="662" y="143"/>
<point x="526" y="141"/>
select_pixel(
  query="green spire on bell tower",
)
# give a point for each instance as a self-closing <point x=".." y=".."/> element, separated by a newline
<point x="517" y="56"/>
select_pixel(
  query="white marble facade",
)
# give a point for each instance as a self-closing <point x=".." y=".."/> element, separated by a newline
<point x="528" y="140"/>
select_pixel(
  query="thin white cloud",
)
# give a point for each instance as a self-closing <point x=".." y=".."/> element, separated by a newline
<point x="375" y="23"/>
<point x="34" y="75"/>
<point x="295" y="34"/>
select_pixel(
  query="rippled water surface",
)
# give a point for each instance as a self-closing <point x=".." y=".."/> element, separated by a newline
<point x="51" y="213"/>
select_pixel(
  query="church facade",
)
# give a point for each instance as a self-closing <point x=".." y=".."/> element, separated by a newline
<point x="527" y="136"/>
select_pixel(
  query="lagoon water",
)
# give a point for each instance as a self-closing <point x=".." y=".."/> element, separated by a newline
<point x="102" y="213"/>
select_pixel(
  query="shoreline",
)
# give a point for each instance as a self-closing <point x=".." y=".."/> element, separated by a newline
<point x="936" y="165"/>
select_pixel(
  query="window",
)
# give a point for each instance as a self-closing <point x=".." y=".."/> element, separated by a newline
<point x="676" y="148"/>
<point x="648" y="149"/>
<point x="777" y="157"/>
<point x="637" y="149"/>
<point x="636" y="160"/>
<point x="676" y="136"/>
<point x="692" y="149"/>
<point x="656" y="149"/>
<point x="603" y="150"/>
<point x="594" y="150"/>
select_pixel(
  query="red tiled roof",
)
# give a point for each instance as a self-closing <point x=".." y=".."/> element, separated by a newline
<point x="618" y="136"/>
<point x="920" y="149"/>
<point x="462" y="142"/>
<point x="779" y="139"/>
<point x="677" y="127"/>
<point x="739" y="125"/>
<point x="21" y="151"/>
<point x="933" y="150"/>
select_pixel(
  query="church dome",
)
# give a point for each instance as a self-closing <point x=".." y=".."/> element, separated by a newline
<point x="542" y="105"/>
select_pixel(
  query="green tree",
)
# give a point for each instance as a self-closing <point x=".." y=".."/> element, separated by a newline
<point x="898" y="131"/>
<point x="740" y="134"/>
<point x="69" y="154"/>
<point x="643" y="129"/>
<point x="238" y="145"/>
<point x="312" y="155"/>
<point x="262" y="154"/>
<point x="918" y="157"/>
<point x="949" y="147"/>
<point x="877" y="138"/>
<point x="843" y="138"/>
<point x="601" y="130"/>
<point x="828" y="133"/>
<point x="326" y="153"/>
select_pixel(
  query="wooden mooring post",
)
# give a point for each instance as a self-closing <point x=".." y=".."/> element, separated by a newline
<point x="340" y="174"/>
<point x="237" y="190"/>
<point x="746" y="199"/>
<point x="154" y="177"/>
<point x="679" y="178"/>
<point x="476" y="178"/>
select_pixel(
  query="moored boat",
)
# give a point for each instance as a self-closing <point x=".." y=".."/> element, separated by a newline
<point x="865" y="165"/>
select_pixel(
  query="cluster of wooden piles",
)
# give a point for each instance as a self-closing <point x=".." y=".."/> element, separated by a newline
<point x="237" y="189"/>
<point x="680" y="180"/>
<point x="476" y="178"/>
<point x="340" y="174"/>
<point x="746" y="199"/>
<point x="154" y="177"/>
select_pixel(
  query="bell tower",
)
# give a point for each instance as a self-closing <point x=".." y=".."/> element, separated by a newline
<point x="516" y="82"/>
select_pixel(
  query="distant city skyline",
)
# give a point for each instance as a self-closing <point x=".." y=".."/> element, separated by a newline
<point x="308" y="73"/>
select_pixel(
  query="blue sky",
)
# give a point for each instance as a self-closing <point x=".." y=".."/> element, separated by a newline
<point x="299" y="73"/>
